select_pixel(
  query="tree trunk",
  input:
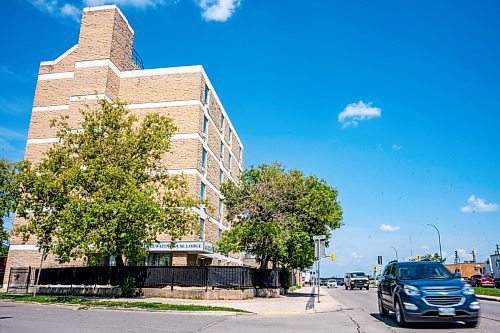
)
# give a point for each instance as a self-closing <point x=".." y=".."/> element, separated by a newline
<point x="264" y="262"/>
<point x="119" y="261"/>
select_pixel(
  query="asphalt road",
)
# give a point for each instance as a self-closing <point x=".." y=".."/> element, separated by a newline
<point x="361" y="307"/>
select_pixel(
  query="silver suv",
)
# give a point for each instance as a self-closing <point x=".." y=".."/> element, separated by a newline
<point x="356" y="280"/>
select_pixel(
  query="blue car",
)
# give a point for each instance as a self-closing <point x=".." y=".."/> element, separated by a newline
<point x="425" y="291"/>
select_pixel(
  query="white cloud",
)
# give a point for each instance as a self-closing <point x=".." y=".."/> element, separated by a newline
<point x="57" y="8"/>
<point x="388" y="227"/>
<point x="425" y="247"/>
<point x="358" y="111"/>
<point x="356" y="255"/>
<point x="464" y="255"/>
<point x="478" y="205"/>
<point x="396" y="147"/>
<point x="218" y="10"/>
<point x="133" y="3"/>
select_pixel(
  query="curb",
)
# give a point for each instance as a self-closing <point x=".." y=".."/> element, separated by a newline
<point x="488" y="298"/>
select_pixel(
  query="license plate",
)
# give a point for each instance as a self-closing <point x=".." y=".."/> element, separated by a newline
<point x="446" y="311"/>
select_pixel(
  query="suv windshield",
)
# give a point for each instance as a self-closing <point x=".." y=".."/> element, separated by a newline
<point x="359" y="274"/>
<point x="423" y="271"/>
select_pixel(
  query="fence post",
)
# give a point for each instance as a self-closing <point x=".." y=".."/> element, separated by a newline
<point x="206" y="278"/>
<point x="172" y="283"/>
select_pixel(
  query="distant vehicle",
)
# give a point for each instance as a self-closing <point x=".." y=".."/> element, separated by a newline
<point x="356" y="280"/>
<point x="485" y="280"/>
<point x="331" y="284"/>
<point x="340" y="281"/>
<point x="425" y="291"/>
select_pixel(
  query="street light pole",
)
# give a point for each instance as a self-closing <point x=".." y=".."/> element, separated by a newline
<point x="439" y="238"/>
<point x="397" y="258"/>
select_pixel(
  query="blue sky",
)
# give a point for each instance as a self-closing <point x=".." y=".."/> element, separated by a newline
<point x="420" y="79"/>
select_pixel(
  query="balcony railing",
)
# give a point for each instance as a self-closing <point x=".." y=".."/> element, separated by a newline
<point x="137" y="59"/>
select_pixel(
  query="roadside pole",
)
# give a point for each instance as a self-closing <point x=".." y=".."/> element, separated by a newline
<point x="319" y="251"/>
<point x="44" y="251"/>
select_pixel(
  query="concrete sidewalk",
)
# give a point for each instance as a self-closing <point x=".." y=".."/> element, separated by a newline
<point x="300" y="301"/>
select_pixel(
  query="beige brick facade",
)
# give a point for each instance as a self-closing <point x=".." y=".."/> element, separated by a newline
<point x="101" y="66"/>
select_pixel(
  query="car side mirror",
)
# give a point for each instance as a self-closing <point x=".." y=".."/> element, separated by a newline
<point x="390" y="277"/>
<point x="456" y="275"/>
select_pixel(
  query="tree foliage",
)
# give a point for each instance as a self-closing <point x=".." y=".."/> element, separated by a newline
<point x="431" y="257"/>
<point x="101" y="190"/>
<point x="9" y="196"/>
<point x="276" y="212"/>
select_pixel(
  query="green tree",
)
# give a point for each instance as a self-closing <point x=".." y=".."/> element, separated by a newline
<point x="431" y="257"/>
<point x="102" y="191"/>
<point x="9" y="196"/>
<point x="276" y="212"/>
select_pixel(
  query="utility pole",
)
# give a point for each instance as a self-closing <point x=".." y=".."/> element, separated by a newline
<point x="411" y="249"/>
<point x="498" y="249"/>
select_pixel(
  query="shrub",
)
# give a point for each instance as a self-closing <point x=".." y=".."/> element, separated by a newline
<point x="128" y="288"/>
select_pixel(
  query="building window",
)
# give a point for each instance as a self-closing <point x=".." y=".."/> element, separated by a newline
<point x="221" y="151"/>
<point x="222" y="123"/>
<point x="202" y="229"/>
<point x="229" y="163"/>
<point x="240" y="153"/>
<point x="220" y="176"/>
<point x="203" y="160"/>
<point x="207" y="95"/>
<point x="159" y="259"/>
<point x="205" y="127"/>
<point x="220" y="209"/>
<point x="230" y="136"/>
<point x="202" y="191"/>
<point x="220" y="234"/>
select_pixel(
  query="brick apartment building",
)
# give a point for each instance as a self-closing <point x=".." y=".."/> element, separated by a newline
<point x="206" y="148"/>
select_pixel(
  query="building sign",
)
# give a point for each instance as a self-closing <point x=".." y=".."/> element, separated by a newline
<point x="181" y="246"/>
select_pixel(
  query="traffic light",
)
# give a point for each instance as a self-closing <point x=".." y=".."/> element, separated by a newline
<point x="418" y="257"/>
<point x="332" y="256"/>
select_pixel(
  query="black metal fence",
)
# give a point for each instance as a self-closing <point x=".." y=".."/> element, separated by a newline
<point x="159" y="277"/>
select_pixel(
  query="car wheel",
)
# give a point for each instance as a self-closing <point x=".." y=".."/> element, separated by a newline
<point x="367" y="287"/>
<point x="400" y="317"/>
<point x="471" y="324"/>
<point x="360" y="288"/>
<point x="381" y="309"/>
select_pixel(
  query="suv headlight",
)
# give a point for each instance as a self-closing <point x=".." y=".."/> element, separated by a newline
<point x="411" y="290"/>
<point x="468" y="290"/>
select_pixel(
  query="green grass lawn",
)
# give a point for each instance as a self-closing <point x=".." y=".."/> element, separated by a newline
<point x="113" y="304"/>
<point x="487" y="291"/>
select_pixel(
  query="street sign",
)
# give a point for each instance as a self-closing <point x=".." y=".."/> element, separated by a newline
<point x="332" y="256"/>
<point x="319" y="249"/>
<point x="319" y="237"/>
<point x="379" y="260"/>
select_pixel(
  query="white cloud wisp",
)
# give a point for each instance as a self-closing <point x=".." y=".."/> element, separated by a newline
<point x="389" y="228"/>
<point x="478" y="205"/>
<point x="218" y="10"/>
<point x="58" y="9"/>
<point x="355" y="112"/>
